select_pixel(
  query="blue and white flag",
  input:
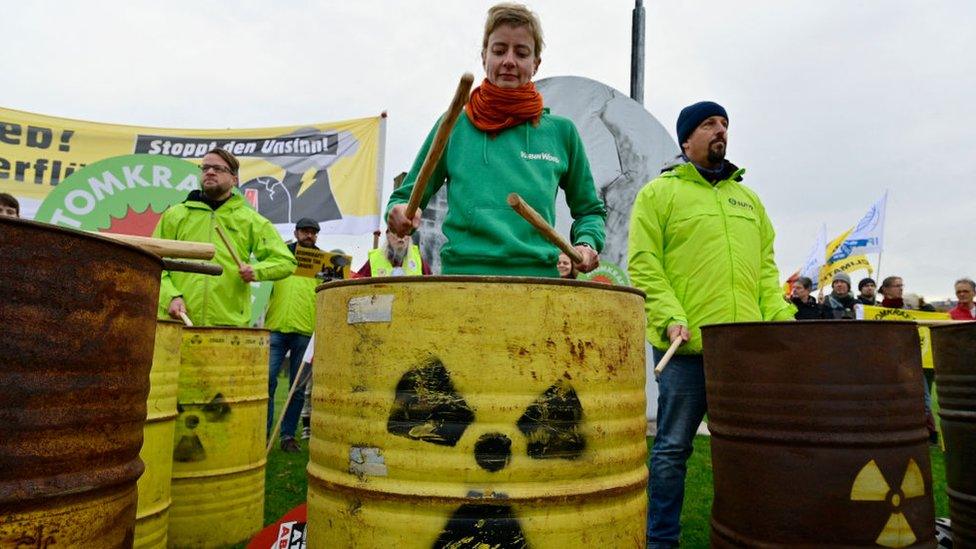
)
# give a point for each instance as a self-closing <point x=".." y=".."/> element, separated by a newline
<point x="868" y="234"/>
<point x="817" y="258"/>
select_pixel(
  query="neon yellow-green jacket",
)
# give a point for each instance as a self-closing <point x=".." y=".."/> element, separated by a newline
<point x="291" y="307"/>
<point x="223" y="300"/>
<point x="703" y="254"/>
<point x="379" y="265"/>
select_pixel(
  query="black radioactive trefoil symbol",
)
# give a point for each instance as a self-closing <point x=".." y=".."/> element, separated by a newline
<point x="427" y="407"/>
<point x="189" y="448"/>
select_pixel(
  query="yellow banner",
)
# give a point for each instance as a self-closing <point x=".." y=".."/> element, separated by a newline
<point x="871" y="312"/>
<point x="847" y="265"/>
<point x="330" y="172"/>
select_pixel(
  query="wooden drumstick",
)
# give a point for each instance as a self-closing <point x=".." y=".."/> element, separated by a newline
<point x="186" y="320"/>
<point x="211" y="269"/>
<point x="440" y="141"/>
<point x="376" y="239"/>
<point x="667" y="356"/>
<point x="533" y="217"/>
<point x="230" y="248"/>
<point x="166" y="248"/>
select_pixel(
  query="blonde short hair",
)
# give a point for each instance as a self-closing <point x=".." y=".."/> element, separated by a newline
<point x="516" y="15"/>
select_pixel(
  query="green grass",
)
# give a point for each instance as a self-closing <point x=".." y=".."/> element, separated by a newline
<point x="286" y="483"/>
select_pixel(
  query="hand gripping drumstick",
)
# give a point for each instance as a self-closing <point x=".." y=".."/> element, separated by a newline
<point x="440" y="141"/>
<point x="284" y="408"/>
<point x="533" y="217"/>
<point x="667" y="357"/>
<point x="233" y="252"/>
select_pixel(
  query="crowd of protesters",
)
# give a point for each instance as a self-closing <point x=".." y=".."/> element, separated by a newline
<point x="840" y="303"/>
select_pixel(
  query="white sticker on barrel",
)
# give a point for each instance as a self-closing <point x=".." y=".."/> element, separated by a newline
<point x="367" y="461"/>
<point x="370" y="308"/>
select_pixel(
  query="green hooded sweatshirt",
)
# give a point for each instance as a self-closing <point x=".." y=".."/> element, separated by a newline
<point x="484" y="235"/>
<point x="223" y="300"/>
<point x="703" y="254"/>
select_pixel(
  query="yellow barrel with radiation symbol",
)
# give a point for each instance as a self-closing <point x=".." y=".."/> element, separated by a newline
<point x="218" y="452"/>
<point x="478" y="411"/>
<point x="152" y="513"/>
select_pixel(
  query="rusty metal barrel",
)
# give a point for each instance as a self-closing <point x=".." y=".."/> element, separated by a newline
<point x="76" y="343"/>
<point x="477" y="411"/>
<point x="818" y="435"/>
<point x="152" y="513"/>
<point x="954" y="354"/>
<point x="219" y="443"/>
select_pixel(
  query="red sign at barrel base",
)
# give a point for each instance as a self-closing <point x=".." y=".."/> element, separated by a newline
<point x="287" y="533"/>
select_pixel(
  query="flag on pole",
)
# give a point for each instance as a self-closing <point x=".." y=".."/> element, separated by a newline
<point x="867" y="236"/>
<point x="817" y="257"/>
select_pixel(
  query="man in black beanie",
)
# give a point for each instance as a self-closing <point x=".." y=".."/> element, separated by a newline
<point x="701" y="249"/>
<point x="868" y="293"/>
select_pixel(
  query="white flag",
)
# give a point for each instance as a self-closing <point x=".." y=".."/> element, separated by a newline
<point x="868" y="234"/>
<point x="817" y="258"/>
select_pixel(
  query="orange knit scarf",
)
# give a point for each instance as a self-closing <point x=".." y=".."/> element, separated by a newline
<point x="492" y="109"/>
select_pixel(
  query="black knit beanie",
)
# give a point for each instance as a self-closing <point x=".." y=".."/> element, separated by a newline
<point x="693" y="115"/>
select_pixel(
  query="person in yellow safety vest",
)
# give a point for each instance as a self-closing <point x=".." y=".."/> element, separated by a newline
<point x="398" y="256"/>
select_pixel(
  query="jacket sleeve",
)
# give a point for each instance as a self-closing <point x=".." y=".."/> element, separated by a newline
<point x="589" y="213"/>
<point x="645" y="265"/>
<point x="275" y="260"/>
<point x="166" y="228"/>
<point x="771" y="302"/>
<point x="437" y="177"/>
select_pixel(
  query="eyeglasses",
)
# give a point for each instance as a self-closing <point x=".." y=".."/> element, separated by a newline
<point x="219" y="169"/>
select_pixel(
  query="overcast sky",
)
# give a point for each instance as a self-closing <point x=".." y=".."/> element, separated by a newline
<point x="830" y="102"/>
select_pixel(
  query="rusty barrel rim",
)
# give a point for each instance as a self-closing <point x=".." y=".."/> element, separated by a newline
<point x="75" y="233"/>
<point x="479" y="279"/>
<point x="778" y="323"/>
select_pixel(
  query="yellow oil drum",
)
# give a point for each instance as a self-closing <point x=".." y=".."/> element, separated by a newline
<point x="152" y="513"/>
<point x="219" y="443"/>
<point x="478" y="411"/>
<point x="76" y="339"/>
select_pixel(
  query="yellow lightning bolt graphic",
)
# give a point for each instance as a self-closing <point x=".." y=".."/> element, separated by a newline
<point x="308" y="178"/>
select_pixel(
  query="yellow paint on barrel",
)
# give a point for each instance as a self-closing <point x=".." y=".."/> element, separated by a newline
<point x="218" y="453"/>
<point x="460" y="411"/>
<point x="152" y="514"/>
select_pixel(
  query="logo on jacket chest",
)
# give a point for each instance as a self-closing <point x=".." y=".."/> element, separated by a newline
<point x="741" y="204"/>
<point x="539" y="156"/>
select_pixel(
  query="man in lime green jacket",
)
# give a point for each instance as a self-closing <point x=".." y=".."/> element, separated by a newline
<point x="701" y="248"/>
<point x="223" y="300"/>
<point x="291" y="319"/>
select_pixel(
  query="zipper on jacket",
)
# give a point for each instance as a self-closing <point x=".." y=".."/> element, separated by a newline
<point x="206" y="281"/>
<point x="728" y="247"/>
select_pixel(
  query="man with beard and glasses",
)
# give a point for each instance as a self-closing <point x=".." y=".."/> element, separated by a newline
<point x="291" y="319"/>
<point x="398" y="256"/>
<point x="223" y="300"/>
<point x="701" y="249"/>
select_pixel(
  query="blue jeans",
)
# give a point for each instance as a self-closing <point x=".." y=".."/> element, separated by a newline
<point x="680" y="409"/>
<point x="280" y="344"/>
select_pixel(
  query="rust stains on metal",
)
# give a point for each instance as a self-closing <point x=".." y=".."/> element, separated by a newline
<point x="75" y="349"/>
<point x="811" y="445"/>
<point x="953" y="351"/>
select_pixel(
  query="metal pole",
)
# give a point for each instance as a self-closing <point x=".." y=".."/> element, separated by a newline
<point x="637" y="54"/>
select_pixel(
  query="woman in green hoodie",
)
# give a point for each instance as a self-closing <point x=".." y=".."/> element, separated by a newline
<point x="507" y="142"/>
